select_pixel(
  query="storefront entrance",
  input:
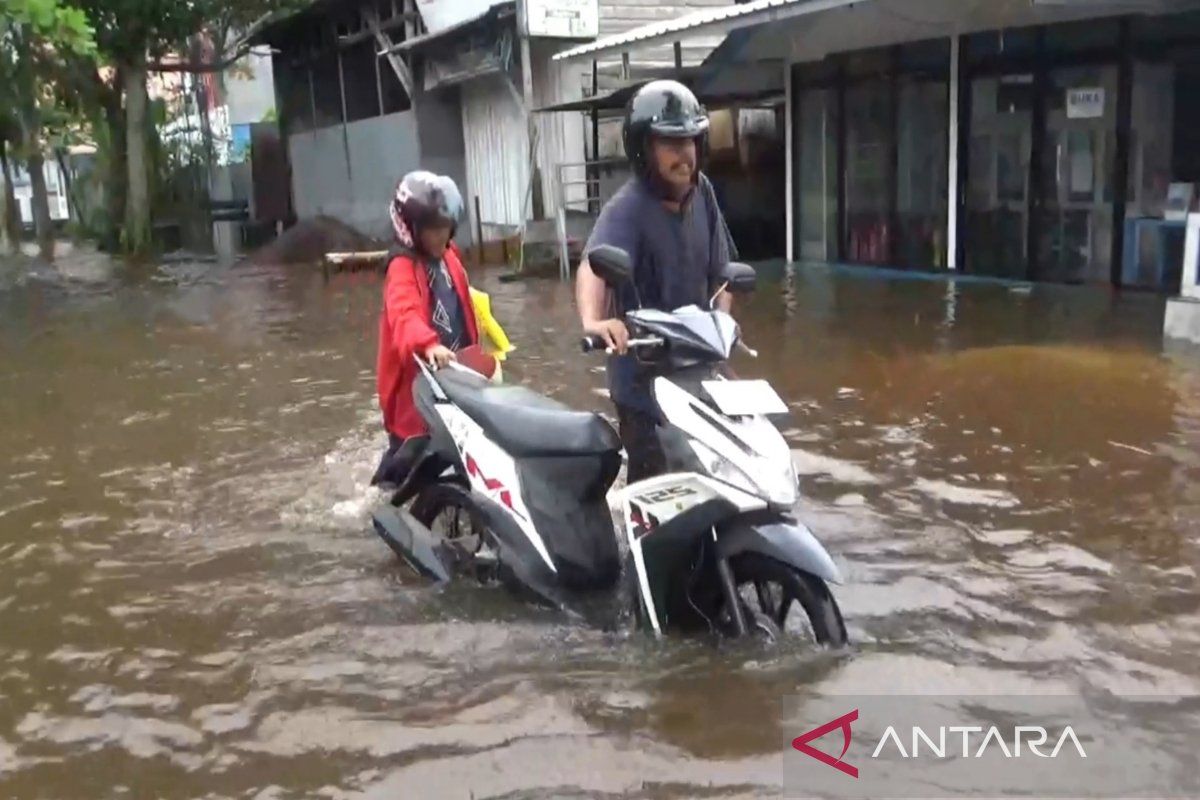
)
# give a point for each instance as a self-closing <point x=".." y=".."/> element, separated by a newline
<point x="1041" y="138"/>
<point x="1075" y="152"/>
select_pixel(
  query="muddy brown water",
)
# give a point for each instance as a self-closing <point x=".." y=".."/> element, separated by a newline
<point x="193" y="605"/>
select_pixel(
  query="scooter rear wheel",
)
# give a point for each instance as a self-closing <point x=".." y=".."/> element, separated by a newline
<point x="771" y="593"/>
<point x="463" y="528"/>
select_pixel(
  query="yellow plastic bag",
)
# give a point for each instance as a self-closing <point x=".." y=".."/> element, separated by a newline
<point x="491" y="336"/>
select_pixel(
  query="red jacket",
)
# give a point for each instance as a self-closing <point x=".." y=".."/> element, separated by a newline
<point x="406" y="330"/>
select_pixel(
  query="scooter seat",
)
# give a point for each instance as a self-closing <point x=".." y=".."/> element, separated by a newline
<point x="526" y="423"/>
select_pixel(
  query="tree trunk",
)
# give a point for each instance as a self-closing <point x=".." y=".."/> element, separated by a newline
<point x="116" y="173"/>
<point x="42" y="222"/>
<point x="10" y="215"/>
<point x="137" y="202"/>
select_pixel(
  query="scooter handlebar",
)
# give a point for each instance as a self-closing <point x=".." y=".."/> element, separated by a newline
<point x="594" y="344"/>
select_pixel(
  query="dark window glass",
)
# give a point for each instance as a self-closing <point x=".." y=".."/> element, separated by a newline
<point x="931" y="58"/>
<point x="1014" y="43"/>
<point x="361" y="82"/>
<point x="869" y="137"/>
<point x="395" y="99"/>
<point x="328" y="90"/>
<point x="815" y="72"/>
<point x="1076" y="37"/>
<point x="921" y="179"/>
<point x="295" y="99"/>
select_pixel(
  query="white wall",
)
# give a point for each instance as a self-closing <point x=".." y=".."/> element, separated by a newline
<point x="356" y="191"/>
<point x="561" y="134"/>
<point x="497" y="151"/>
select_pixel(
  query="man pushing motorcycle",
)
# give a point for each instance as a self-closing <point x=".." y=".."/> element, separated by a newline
<point x="667" y="219"/>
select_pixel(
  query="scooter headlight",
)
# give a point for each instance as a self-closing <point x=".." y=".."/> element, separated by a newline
<point x="778" y="487"/>
<point x="723" y="469"/>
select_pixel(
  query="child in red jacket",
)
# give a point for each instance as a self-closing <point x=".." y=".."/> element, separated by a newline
<point x="427" y="309"/>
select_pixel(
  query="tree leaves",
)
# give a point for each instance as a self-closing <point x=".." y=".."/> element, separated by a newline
<point x="52" y="22"/>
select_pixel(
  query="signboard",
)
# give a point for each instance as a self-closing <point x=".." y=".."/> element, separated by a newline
<point x="1085" y="103"/>
<point x="563" y="19"/>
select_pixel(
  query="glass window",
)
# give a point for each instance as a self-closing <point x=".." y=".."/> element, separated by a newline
<point x="869" y="121"/>
<point x="816" y="131"/>
<point x="922" y="174"/>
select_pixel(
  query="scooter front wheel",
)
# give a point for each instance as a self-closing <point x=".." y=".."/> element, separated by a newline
<point x="775" y="595"/>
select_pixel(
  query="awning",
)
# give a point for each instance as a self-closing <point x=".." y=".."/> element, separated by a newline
<point x="862" y="23"/>
<point x="868" y="24"/>
<point x="708" y="21"/>
<point x="617" y="100"/>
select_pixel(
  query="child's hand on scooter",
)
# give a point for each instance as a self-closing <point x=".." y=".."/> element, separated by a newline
<point x="439" y="355"/>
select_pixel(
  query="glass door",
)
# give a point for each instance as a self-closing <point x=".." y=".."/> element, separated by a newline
<point x="1074" y="206"/>
<point x="997" y="197"/>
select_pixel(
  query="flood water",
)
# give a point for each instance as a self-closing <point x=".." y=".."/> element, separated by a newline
<point x="193" y="603"/>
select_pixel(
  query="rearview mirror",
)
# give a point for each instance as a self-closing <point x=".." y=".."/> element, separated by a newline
<point x="742" y="278"/>
<point x="611" y="264"/>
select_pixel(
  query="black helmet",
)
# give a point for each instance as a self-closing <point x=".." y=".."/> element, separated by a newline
<point x="423" y="198"/>
<point x="663" y="108"/>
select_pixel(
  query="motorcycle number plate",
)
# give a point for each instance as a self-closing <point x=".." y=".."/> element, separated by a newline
<point x="745" y="398"/>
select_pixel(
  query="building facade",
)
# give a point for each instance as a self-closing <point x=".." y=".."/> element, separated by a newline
<point x="1029" y="140"/>
<point x="370" y="89"/>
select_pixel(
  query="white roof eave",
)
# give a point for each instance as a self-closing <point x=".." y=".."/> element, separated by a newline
<point x="708" y="21"/>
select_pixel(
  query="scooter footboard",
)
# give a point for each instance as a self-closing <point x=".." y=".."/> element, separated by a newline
<point x="783" y="539"/>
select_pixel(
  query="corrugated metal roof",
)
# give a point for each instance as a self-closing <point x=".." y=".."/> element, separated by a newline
<point x="726" y="18"/>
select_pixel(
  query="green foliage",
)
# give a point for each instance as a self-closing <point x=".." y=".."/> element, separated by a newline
<point x="49" y="21"/>
<point x="130" y="31"/>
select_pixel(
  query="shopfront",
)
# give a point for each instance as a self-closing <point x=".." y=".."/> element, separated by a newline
<point x="1073" y="148"/>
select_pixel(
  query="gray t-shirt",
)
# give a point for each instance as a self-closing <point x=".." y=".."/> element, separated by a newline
<point x="676" y="258"/>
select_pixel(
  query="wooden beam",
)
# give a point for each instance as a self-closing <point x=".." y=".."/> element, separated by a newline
<point x="385" y="43"/>
<point x="358" y="38"/>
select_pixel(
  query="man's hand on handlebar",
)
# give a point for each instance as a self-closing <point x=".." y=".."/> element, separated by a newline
<point x="613" y="332"/>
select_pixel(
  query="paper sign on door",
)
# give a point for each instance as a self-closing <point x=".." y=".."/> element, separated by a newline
<point x="1085" y="103"/>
